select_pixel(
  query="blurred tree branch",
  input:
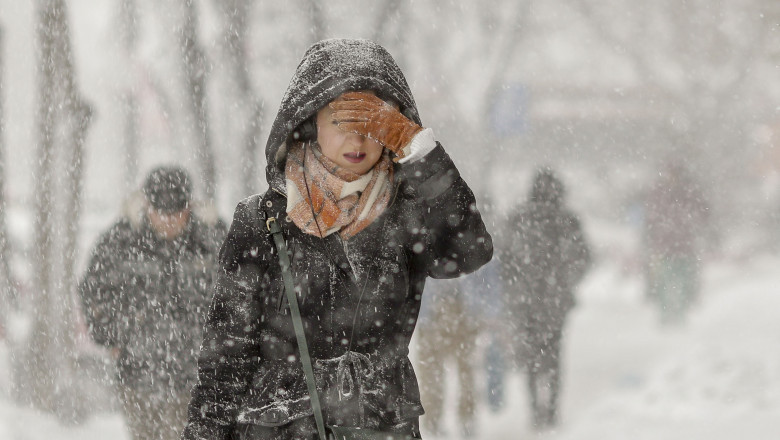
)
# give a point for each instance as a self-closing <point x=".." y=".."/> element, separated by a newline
<point x="235" y="16"/>
<point x="317" y="17"/>
<point x="196" y="71"/>
<point x="703" y="47"/>
<point x="389" y="8"/>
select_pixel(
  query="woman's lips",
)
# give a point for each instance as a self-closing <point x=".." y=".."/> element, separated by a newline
<point x="355" y="157"/>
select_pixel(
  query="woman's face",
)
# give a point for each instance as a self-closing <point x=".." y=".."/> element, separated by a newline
<point x="352" y="151"/>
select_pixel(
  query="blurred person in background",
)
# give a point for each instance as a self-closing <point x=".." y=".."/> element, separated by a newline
<point x="545" y="257"/>
<point x="145" y="295"/>
<point x="675" y="232"/>
<point x="484" y="289"/>
<point x="455" y="316"/>
<point x="448" y="332"/>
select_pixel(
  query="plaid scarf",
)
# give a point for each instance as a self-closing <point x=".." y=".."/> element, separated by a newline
<point x="323" y="198"/>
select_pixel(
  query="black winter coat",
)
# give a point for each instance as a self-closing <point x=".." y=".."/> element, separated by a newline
<point x="359" y="298"/>
<point x="361" y="295"/>
<point x="148" y="297"/>
<point x="547" y="256"/>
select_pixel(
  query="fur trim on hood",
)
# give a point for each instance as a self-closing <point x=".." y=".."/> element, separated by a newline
<point x="328" y="69"/>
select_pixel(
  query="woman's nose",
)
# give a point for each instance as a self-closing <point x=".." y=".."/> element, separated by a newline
<point x="357" y="139"/>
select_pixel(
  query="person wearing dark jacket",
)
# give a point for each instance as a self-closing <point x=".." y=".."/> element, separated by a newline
<point x="448" y="330"/>
<point x="546" y="257"/>
<point x="370" y="205"/>
<point x="145" y="295"/>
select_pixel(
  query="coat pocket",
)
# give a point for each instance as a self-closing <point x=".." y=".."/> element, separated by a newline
<point x="273" y="400"/>
<point x="270" y="416"/>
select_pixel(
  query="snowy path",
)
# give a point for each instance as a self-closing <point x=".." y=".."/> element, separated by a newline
<point x="625" y="378"/>
<point x="718" y="378"/>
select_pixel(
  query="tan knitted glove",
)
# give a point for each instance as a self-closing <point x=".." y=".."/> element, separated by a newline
<point x="370" y="116"/>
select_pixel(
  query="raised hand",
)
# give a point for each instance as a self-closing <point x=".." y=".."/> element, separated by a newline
<point x="366" y="114"/>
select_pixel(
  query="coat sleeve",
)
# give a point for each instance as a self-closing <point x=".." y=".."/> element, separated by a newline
<point x="102" y="286"/>
<point x="576" y="252"/>
<point x="230" y="349"/>
<point x="453" y="239"/>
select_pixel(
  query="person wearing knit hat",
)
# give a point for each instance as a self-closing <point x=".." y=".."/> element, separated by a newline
<point x="168" y="192"/>
<point x="144" y="296"/>
<point x="168" y="189"/>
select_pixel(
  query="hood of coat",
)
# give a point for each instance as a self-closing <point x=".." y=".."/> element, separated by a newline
<point x="328" y="69"/>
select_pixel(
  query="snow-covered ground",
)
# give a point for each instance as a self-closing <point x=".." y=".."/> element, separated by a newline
<point x="625" y="377"/>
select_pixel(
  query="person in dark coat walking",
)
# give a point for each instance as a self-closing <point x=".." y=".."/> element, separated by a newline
<point x="455" y="314"/>
<point x="546" y="257"/>
<point x="370" y="206"/>
<point x="448" y="330"/>
<point x="145" y="295"/>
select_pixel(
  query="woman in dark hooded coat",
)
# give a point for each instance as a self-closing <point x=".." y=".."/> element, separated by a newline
<point x="370" y="205"/>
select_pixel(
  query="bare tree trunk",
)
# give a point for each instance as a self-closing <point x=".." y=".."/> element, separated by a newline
<point x="195" y="72"/>
<point x="390" y="29"/>
<point x="501" y="59"/>
<point x="63" y="119"/>
<point x="6" y="280"/>
<point x="494" y="48"/>
<point x="249" y="170"/>
<point x="247" y="101"/>
<point x="317" y="20"/>
<point x="128" y="20"/>
<point x="42" y="361"/>
<point x="390" y="8"/>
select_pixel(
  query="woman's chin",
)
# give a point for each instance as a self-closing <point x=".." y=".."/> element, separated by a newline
<point x="361" y="167"/>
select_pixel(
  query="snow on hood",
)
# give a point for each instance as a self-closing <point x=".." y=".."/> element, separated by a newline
<point x="328" y="69"/>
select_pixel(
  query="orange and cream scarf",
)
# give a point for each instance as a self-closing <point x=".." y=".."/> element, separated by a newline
<point x="332" y="198"/>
